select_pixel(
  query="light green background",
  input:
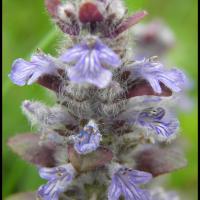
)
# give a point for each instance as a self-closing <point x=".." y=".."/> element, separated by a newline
<point x="26" y="26"/>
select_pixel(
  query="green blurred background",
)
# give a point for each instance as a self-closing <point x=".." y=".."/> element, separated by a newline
<point x="26" y="26"/>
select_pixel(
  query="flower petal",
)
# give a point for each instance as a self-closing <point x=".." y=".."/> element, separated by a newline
<point x="21" y="71"/>
<point x="88" y="147"/>
<point x="103" y="79"/>
<point x="89" y="69"/>
<point x="155" y="74"/>
<point x="59" y="179"/>
<point x="114" y="190"/>
<point x="140" y="177"/>
<point x="155" y="85"/>
<point x="71" y="55"/>
<point x="106" y="55"/>
<point x="173" y="78"/>
<point x="90" y="58"/>
<point x="155" y="119"/>
<point x="88" y="140"/>
<point x="24" y="72"/>
<point x="48" y="191"/>
<point x="51" y="173"/>
<point x="125" y="182"/>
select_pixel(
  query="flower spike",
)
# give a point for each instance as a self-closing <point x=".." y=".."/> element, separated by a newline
<point x="112" y="119"/>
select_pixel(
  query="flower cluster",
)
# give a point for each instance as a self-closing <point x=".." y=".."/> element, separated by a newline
<point x="109" y="107"/>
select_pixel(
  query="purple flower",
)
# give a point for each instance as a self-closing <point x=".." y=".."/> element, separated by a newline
<point x="155" y="73"/>
<point x="125" y="183"/>
<point x="91" y="59"/>
<point x="58" y="180"/>
<point x="154" y="119"/>
<point x="88" y="139"/>
<point x="24" y="72"/>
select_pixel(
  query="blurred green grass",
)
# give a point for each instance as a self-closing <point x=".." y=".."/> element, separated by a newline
<point x="26" y="26"/>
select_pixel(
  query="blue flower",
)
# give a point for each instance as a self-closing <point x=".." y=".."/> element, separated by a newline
<point x="91" y="59"/>
<point x="24" y="72"/>
<point x="88" y="139"/>
<point x="154" y="119"/>
<point x="155" y="73"/>
<point x="58" y="180"/>
<point x="125" y="182"/>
